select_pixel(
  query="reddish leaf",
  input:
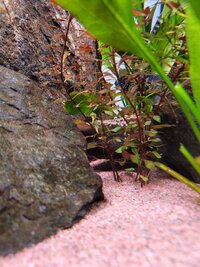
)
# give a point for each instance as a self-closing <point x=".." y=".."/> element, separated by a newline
<point x="85" y="49"/>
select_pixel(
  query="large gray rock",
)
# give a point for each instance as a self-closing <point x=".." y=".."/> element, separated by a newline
<point x="46" y="182"/>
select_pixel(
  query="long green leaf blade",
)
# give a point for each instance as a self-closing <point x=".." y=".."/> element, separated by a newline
<point x="178" y="176"/>
<point x="193" y="29"/>
<point x="111" y="21"/>
<point x="189" y="109"/>
<point x="195" y="6"/>
<point x="107" y="20"/>
<point x="188" y="102"/>
<point x="190" y="158"/>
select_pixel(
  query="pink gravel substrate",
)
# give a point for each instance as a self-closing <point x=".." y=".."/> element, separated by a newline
<point x="154" y="226"/>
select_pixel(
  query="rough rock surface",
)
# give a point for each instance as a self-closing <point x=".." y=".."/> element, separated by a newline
<point x="179" y="133"/>
<point x="46" y="182"/>
<point x="32" y="35"/>
<point x="45" y="179"/>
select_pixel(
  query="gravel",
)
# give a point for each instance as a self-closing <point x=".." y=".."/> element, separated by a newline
<point x="154" y="226"/>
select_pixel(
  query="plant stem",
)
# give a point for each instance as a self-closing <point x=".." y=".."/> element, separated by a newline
<point x="62" y="73"/>
<point x="141" y="137"/>
<point x="178" y="176"/>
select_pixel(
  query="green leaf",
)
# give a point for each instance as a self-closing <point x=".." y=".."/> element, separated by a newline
<point x="151" y="133"/>
<point x="192" y="113"/>
<point x="167" y="37"/>
<point x="155" y="140"/>
<point x="106" y="52"/>
<point x="156" y="154"/>
<point x="149" y="164"/>
<point x="157" y="118"/>
<point x="121" y="149"/>
<point x="117" y="129"/>
<point x="109" y="112"/>
<point x="92" y="145"/>
<point x="144" y="178"/>
<point x="195" y="6"/>
<point x="136" y="157"/>
<point x="190" y="158"/>
<point x="79" y="102"/>
<point x="178" y="176"/>
<point x="111" y="21"/>
<point x="147" y="122"/>
<point x="193" y="29"/>
<point x="71" y="108"/>
<point x="117" y="139"/>
<point x="130" y="169"/>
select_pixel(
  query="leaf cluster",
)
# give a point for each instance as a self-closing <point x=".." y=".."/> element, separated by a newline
<point x="143" y="54"/>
